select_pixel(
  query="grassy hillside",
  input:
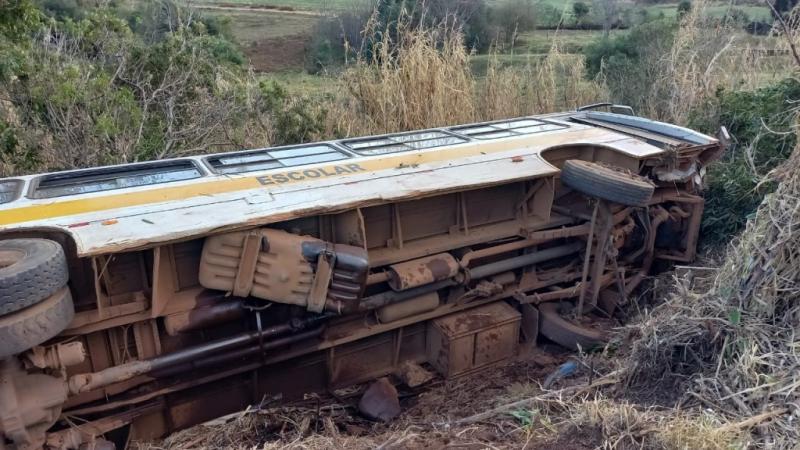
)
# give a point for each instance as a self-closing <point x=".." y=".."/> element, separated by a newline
<point x="312" y="5"/>
<point x="754" y="11"/>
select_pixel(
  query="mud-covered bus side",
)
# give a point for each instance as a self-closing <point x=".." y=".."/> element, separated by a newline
<point x="145" y="298"/>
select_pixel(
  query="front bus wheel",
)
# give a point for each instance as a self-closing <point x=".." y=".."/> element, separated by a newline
<point x="607" y="182"/>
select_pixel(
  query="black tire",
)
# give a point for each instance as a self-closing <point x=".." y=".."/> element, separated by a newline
<point x="566" y="333"/>
<point x="21" y="330"/>
<point x="607" y="182"/>
<point x="31" y="270"/>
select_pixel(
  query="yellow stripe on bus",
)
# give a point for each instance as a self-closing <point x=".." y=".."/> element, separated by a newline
<point x="63" y="207"/>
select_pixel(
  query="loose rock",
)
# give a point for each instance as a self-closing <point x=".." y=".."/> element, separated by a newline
<point x="380" y="401"/>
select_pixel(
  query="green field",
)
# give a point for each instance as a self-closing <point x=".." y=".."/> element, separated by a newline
<point x="568" y="41"/>
<point x="303" y="83"/>
<point x="310" y="5"/>
<point x="753" y="10"/>
<point x="274" y="34"/>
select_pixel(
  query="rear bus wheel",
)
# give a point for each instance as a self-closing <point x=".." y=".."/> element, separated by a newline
<point x="35" y="302"/>
<point x="27" y="328"/>
<point x="31" y="270"/>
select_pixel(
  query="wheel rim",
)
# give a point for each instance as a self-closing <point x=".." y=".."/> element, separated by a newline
<point x="10" y="257"/>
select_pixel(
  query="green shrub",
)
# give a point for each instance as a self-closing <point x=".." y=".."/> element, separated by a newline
<point x="684" y="7"/>
<point x="761" y="123"/>
<point x="361" y="28"/>
<point x="294" y="119"/>
<point x="631" y="63"/>
<point x="15" y="154"/>
<point x="513" y="17"/>
<point x="580" y="10"/>
<point x="117" y="86"/>
<point x="547" y="15"/>
<point x="62" y="9"/>
<point x="19" y="18"/>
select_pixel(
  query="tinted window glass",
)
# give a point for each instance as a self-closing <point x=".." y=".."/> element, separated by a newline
<point x="402" y="142"/>
<point x="273" y="158"/>
<point x="506" y="128"/>
<point x="9" y="190"/>
<point x="108" y="178"/>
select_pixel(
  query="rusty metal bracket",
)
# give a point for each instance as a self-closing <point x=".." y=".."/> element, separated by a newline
<point x="251" y="247"/>
<point x="322" y="280"/>
<point x="586" y="256"/>
<point x="601" y="251"/>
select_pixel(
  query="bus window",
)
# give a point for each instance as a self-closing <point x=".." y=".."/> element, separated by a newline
<point x="402" y="142"/>
<point x="9" y="190"/>
<point x="273" y="158"/>
<point x="508" y="128"/>
<point x="118" y="177"/>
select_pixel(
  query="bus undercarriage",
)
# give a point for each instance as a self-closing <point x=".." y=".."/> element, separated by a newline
<point x="166" y="337"/>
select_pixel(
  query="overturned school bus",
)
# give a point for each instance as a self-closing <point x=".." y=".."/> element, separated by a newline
<point x="143" y="298"/>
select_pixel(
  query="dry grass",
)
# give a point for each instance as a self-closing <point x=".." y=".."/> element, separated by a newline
<point x="424" y="80"/>
<point x="704" y="57"/>
<point x="555" y="82"/>
<point x="421" y="81"/>
<point x="453" y="414"/>
<point x="734" y="340"/>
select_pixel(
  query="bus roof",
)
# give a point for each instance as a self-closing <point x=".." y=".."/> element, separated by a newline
<point x="130" y="206"/>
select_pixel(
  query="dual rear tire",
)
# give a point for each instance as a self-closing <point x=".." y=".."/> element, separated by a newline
<point x="35" y="302"/>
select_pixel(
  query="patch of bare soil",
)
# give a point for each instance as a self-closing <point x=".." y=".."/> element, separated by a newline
<point x="251" y="7"/>
<point x="278" y="54"/>
<point x="441" y="414"/>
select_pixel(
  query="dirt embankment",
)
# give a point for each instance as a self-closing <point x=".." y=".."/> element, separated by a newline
<point x="278" y="54"/>
<point x="274" y="38"/>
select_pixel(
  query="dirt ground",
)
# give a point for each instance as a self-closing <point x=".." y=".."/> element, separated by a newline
<point x="430" y="419"/>
<point x="575" y="412"/>
<point x="273" y="39"/>
<point x="278" y="54"/>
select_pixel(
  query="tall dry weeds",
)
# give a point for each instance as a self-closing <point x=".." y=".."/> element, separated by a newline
<point x="554" y="81"/>
<point x="707" y="54"/>
<point x="735" y="340"/>
<point x="413" y="79"/>
<point x="421" y="77"/>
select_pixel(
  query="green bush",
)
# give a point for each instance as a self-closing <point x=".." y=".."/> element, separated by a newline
<point x="115" y="86"/>
<point x="361" y="28"/>
<point x="761" y="123"/>
<point x="15" y="155"/>
<point x="294" y="119"/>
<point x="18" y="19"/>
<point x="684" y="7"/>
<point x="513" y="17"/>
<point x="580" y="10"/>
<point x="631" y="63"/>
